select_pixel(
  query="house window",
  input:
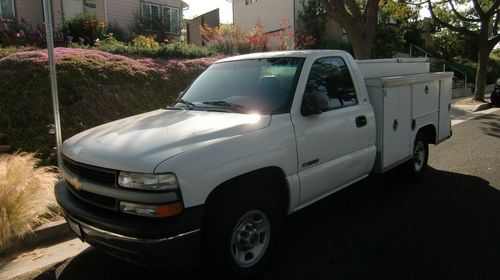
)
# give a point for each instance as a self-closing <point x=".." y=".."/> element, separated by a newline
<point x="248" y="2"/>
<point x="171" y="19"/>
<point x="7" y="9"/>
<point x="155" y="17"/>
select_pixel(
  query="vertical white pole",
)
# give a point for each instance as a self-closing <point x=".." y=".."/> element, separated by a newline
<point x="105" y="2"/>
<point x="47" y="7"/>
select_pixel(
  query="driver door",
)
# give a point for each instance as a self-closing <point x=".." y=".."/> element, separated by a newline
<point x="331" y="144"/>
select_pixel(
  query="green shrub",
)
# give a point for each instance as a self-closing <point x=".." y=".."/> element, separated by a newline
<point x="84" y="27"/>
<point x="182" y="50"/>
<point x="116" y="31"/>
<point x="147" y="43"/>
<point x="144" y="46"/>
<point x="5" y="51"/>
<point x="26" y="196"/>
<point x="95" y="87"/>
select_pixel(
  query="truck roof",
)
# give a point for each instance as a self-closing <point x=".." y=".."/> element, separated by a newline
<point x="299" y="53"/>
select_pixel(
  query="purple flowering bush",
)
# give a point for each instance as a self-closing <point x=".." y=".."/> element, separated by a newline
<point x="95" y="87"/>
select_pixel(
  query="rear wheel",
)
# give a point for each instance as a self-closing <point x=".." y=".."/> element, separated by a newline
<point x="417" y="165"/>
<point x="241" y="232"/>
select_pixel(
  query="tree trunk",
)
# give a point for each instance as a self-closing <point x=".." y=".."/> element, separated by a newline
<point x="361" y="44"/>
<point x="482" y="70"/>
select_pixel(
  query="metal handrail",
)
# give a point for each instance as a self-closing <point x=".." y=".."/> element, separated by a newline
<point x="441" y="60"/>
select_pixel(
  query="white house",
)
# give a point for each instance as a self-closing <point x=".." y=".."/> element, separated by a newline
<point x="121" y="12"/>
<point x="271" y="13"/>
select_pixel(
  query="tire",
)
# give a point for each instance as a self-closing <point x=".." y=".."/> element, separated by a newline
<point x="495" y="98"/>
<point x="241" y="233"/>
<point x="417" y="165"/>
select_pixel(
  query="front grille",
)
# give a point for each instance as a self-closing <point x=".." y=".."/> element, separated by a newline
<point x="106" y="177"/>
<point x="93" y="198"/>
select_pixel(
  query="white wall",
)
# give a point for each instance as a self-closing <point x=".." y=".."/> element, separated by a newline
<point x="269" y="13"/>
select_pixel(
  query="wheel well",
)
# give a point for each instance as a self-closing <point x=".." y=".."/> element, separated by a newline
<point x="270" y="179"/>
<point x="429" y="132"/>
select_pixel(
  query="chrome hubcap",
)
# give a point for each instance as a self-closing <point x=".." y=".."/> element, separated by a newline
<point x="419" y="156"/>
<point x="250" y="238"/>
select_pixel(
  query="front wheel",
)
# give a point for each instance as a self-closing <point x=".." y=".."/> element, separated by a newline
<point x="241" y="233"/>
<point x="417" y="165"/>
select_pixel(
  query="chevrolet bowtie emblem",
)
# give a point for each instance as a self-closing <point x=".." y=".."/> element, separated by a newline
<point x="75" y="183"/>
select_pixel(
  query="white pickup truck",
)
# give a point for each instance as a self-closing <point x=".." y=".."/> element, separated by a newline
<point x="252" y="139"/>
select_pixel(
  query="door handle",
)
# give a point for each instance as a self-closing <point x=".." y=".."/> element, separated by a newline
<point x="361" y="121"/>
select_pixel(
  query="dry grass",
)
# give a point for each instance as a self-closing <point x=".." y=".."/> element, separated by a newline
<point x="26" y="195"/>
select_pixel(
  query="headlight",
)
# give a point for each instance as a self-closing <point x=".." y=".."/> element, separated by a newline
<point x="148" y="182"/>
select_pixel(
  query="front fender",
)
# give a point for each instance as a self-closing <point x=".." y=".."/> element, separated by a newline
<point x="200" y="171"/>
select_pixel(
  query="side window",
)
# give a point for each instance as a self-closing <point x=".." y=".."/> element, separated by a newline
<point x="330" y="78"/>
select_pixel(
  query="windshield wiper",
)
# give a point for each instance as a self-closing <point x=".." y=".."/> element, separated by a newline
<point x="187" y="103"/>
<point x="231" y="106"/>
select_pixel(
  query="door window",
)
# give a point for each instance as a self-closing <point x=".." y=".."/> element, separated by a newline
<point x="330" y="78"/>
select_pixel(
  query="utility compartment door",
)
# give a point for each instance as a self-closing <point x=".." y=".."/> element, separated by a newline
<point x="425" y="98"/>
<point x="444" y="108"/>
<point x="397" y="125"/>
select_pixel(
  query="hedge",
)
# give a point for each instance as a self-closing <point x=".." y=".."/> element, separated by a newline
<point x="95" y="87"/>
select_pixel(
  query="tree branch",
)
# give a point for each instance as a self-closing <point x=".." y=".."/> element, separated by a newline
<point x="371" y="14"/>
<point x="494" y="8"/>
<point x="461" y="30"/>
<point x="478" y="8"/>
<point x="338" y="12"/>
<point x="354" y="8"/>
<point x="495" y="24"/>
<point x="460" y="16"/>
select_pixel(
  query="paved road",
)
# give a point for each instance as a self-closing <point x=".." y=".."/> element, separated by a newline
<point x="446" y="226"/>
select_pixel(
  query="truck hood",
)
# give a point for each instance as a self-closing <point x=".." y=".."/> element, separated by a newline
<point x="139" y="143"/>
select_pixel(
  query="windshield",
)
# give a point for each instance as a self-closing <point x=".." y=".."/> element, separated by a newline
<point x="264" y="86"/>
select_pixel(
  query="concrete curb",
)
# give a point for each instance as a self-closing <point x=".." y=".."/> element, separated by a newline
<point x="484" y="106"/>
<point x="48" y="234"/>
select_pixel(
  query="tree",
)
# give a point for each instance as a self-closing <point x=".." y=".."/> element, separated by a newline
<point x="396" y="28"/>
<point x="312" y="22"/>
<point x="359" y="19"/>
<point x="478" y="21"/>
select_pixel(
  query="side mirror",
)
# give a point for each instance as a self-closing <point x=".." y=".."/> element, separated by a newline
<point x="314" y="104"/>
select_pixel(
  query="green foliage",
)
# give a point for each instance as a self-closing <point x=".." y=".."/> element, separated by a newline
<point x="312" y="22"/>
<point x="397" y="11"/>
<point x="5" y="51"/>
<point x="144" y="46"/>
<point x="397" y="28"/>
<point x="455" y="46"/>
<point x="95" y="87"/>
<point x="84" y="28"/>
<point x="117" y="32"/>
<point x="143" y="42"/>
<point x="160" y="34"/>
<point x="388" y="40"/>
<point x="20" y="33"/>
<point x="226" y="39"/>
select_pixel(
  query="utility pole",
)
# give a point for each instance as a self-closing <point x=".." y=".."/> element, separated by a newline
<point x="49" y="36"/>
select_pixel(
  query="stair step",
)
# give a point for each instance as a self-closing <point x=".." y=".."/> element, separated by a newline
<point x="5" y="148"/>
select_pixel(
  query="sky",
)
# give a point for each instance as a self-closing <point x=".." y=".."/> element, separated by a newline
<point x="199" y="7"/>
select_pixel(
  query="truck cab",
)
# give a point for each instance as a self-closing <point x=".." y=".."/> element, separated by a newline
<point x="252" y="139"/>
